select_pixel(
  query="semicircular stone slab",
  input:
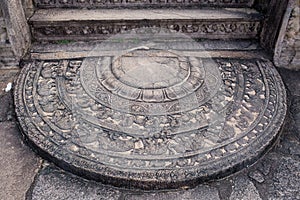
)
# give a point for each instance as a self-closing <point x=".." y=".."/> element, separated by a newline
<point x="151" y="118"/>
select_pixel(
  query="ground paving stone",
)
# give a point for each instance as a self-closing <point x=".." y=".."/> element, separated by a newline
<point x="295" y="111"/>
<point x="55" y="184"/>
<point x="202" y="192"/>
<point x="244" y="189"/>
<point x="18" y="163"/>
<point x="6" y="105"/>
<point x="286" y="180"/>
<point x="291" y="79"/>
<point x="257" y="176"/>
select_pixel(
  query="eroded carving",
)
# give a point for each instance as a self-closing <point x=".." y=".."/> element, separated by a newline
<point x="99" y="30"/>
<point x="65" y="108"/>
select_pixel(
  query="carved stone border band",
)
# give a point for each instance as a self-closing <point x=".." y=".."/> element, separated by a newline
<point x="103" y="30"/>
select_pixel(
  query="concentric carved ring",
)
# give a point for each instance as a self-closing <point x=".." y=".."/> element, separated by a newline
<point x="140" y="81"/>
<point x="83" y="115"/>
<point x="151" y="76"/>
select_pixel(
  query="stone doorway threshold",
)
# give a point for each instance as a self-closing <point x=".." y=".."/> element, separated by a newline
<point x="151" y="117"/>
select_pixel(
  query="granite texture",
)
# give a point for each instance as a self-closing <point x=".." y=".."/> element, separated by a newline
<point x="18" y="33"/>
<point x="18" y="163"/>
<point x="287" y="49"/>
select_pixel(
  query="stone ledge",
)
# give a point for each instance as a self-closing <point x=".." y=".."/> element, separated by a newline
<point x="64" y="24"/>
<point x="140" y="3"/>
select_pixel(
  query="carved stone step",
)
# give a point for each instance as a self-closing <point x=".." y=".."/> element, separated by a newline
<point x="66" y="24"/>
<point x="151" y="116"/>
<point x="141" y="3"/>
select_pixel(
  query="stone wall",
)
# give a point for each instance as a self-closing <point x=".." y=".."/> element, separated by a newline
<point x="274" y="13"/>
<point x="3" y="32"/>
<point x="28" y="8"/>
<point x="6" y="52"/>
<point x="262" y="5"/>
<point x="287" y="49"/>
<point x="14" y="33"/>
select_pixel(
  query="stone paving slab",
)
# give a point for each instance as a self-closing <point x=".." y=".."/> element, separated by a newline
<point x="279" y="179"/>
<point x="53" y="183"/>
<point x="18" y="163"/>
<point x="6" y="84"/>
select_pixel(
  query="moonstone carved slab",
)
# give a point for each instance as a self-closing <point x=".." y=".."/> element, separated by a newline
<point x="151" y="118"/>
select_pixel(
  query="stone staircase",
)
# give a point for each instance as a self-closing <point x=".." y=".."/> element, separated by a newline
<point x="57" y="20"/>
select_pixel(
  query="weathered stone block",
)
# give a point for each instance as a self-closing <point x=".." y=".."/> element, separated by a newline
<point x="18" y="34"/>
<point x="287" y="49"/>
